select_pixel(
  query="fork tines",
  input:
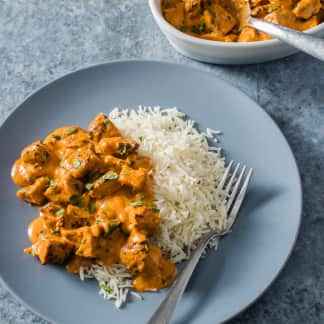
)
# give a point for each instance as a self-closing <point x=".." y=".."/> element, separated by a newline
<point x="234" y="184"/>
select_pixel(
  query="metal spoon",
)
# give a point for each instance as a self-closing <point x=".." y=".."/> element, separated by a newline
<point x="311" y="45"/>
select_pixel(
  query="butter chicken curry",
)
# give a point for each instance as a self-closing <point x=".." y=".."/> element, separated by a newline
<point x="217" y="19"/>
<point x="96" y="202"/>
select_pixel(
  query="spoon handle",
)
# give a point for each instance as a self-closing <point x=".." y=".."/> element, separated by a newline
<point x="311" y="45"/>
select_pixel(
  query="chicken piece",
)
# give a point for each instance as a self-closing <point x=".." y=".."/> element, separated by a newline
<point x="208" y="19"/>
<point x="113" y="162"/>
<point x="109" y="247"/>
<point x="63" y="190"/>
<point x="307" y="8"/>
<point x="52" y="250"/>
<point x="69" y="137"/>
<point x="113" y="209"/>
<point x="134" y="252"/>
<point x="158" y="272"/>
<point x="75" y="217"/>
<point x="105" y="217"/>
<point x="52" y="215"/>
<point x="37" y="152"/>
<point x="215" y="35"/>
<point x="132" y="178"/>
<point x="105" y="248"/>
<point x="224" y="20"/>
<point x="81" y="162"/>
<point x="24" y="174"/>
<point x="230" y="38"/>
<point x="88" y="246"/>
<point x="148" y="222"/>
<point x="117" y="146"/>
<point x="50" y="209"/>
<point x="258" y="3"/>
<point x="192" y="7"/>
<point x="107" y="184"/>
<point x="249" y="34"/>
<point x="175" y="15"/>
<point x="311" y="22"/>
<point x="91" y="241"/>
<point x="262" y="11"/>
<point x="288" y="19"/>
<point x="84" y="239"/>
<point x="169" y="3"/>
<point x="70" y="216"/>
<point x="107" y="252"/>
<point x="36" y="160"/>
<point x="106" y="223"/>
<point x="139" y="161"/>
<point x="39" y="227"/>
<point x="34" y="194"/>
<point x="102" y="127"/>
<point x="144" y="219"/>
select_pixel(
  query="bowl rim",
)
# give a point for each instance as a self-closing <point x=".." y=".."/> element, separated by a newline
<point x="163" y="23"/>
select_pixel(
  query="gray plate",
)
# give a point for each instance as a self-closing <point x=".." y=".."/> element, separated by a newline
<point x="225" y="282"/>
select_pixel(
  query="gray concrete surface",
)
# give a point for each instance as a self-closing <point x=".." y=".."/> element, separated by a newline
<point x="42" y="40"/>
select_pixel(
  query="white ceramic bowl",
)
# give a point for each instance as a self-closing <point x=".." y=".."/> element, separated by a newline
<point x="224" y="52"/>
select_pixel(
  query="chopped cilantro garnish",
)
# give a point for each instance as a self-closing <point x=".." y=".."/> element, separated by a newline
<point x="76" y="186"/>
<point x="88" y="186"/>
<point x="71" y="131"/>
<point x="45" y="155"/>
<point x="91" y="209"/>
<point x="60" y="212"/>
<point x="137" y="203"/>
<point x="202" y="27"/>
<point x="270" y="10"/>
<point x="123" y="148"/>
<point x="183" y="28"/>
<point x="153" y="208"/>
<point x="57" y="137"/>
<point x="76" y="164"/>
<point x="110" y="229"/>
<point x="195" y="29"/>
<point x="110" y="176"/>
<point x="106" y="288"/>
<point x="212" y="11"/>
<point x="51" y="182"/>
<point x="128" y="195"/>
<point x="76" y="200"/>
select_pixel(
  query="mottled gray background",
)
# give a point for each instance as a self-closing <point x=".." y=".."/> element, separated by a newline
<point x="42" y="40"/>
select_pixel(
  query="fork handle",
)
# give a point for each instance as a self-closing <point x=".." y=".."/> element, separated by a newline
<point x="164" y="313"/>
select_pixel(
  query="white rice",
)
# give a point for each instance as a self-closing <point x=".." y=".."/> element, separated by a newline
<point x="186" y="173"/>
<point x="114" y="282"/>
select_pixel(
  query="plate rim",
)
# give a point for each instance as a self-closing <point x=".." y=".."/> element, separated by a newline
<point x="198" y="69"/>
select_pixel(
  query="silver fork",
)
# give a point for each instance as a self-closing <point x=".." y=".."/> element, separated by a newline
<point x="235" y="188"/>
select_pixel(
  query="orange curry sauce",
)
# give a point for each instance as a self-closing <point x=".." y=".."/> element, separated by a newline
<point x="217" y="19"/>
<point x="96" y="202"/>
